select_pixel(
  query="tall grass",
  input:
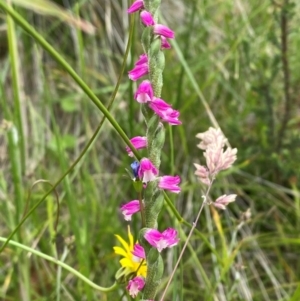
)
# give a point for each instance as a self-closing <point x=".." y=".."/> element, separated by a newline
<point x="234" y="64"/>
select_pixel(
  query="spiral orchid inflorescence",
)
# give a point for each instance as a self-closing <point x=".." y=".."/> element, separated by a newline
<point x="156" y="112"/>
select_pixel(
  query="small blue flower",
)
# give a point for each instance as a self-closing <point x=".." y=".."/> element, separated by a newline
<point x="135" y="166"/>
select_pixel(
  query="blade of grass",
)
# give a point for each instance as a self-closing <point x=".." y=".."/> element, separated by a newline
<point x="61" y="264"/>
<point x="14" y="61"/>
<point x="296" y="295"/>
<point x="14" y="152"/>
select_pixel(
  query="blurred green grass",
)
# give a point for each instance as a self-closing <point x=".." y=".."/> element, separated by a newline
<point x="227" y="56"/>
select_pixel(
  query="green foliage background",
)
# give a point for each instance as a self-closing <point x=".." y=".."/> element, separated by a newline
<point x="234" y="64"/>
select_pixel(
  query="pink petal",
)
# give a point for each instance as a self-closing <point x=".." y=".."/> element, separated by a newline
<point x="130" y="208"/>
<point x="170" y="235"/>
<point x="202" y="173"/>
<point x="144" y="92"/>
<point x="170" y="183"/>
<point x="147" y="18"/>
<point x="143" y="59"/>
<point x="160" y="104"/>
<point x="138" y="142"/>
<point x="211" y="137"/>
<point x="165" y="111"/>
<point x="164" y="31"/>
<point x="139" y="251"/>
<point x="164" y="43"/>
<point x="224" y="200"/>
<point x="136" y="6"/>
<point x="138" y="71"/>
<point x="171" y="116"/>
<point x="153" y="236"/>
<point x="147" y="171"/>
<point x="135" y="286"/>
<point x="166" y="239"/>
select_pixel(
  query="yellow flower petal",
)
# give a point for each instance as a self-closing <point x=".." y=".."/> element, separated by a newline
<point x="142" y="271"/>
<point x="120" y="251"/>
<point x="123" y="242"/>
<point x="128" y="262"/>
<point x="130" y="239"/>
<point x="125" y="262"/>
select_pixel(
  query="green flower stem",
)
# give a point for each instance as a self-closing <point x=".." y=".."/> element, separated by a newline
<point x="62" y="264"/>
<point x="153" y="197"/>
<point x="85" y="88"/>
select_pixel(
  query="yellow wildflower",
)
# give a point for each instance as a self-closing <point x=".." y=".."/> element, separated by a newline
<point x="130" y="263"/>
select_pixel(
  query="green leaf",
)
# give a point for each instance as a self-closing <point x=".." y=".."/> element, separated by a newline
<point x="296" y="295"/>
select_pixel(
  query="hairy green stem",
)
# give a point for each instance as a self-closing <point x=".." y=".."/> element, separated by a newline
<point x="153" y="197"/>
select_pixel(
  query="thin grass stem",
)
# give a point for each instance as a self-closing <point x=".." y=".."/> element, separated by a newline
<point x="61" y="264"/>
<point x="14" y="61"/>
